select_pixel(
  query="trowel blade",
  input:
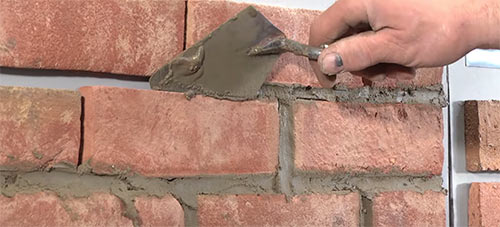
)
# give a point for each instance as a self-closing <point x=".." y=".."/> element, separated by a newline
<point x="219" y="65"/>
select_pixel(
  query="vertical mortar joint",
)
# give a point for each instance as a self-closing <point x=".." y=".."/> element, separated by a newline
<point x="286" y="147"/>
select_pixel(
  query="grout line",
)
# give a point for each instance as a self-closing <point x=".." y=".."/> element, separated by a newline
<point x="186" y="189"/>
<point x="428" y="95"/>
<point x="431" y="95"/>
<point x="286" y="148"/>
<point x="366" y="215"/>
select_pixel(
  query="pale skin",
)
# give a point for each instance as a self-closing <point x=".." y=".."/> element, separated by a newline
<point x="375" y="39"/>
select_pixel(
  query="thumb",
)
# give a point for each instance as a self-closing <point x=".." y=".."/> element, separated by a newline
<point x="355" y="53"/>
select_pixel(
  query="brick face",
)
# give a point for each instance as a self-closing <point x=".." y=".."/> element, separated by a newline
<point x="164" y="211"/>
<point x="47" y="209"/>
<point x="40" y="128"/>
<point x="163" y="134"/>
<point x="405" y="208"/>
<point x="205" y="16"/>
<point x="98" y="209"/>
<point x="274" y="210"/>
<point x="125" y="37"/>
<point x="364" y="138"/>
<point x="482" y="135"/>
<point x="483" y="204"/>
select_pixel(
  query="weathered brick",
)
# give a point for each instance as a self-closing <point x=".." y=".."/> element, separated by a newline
<point x="482" y="135"/>
<point x="158" y="133"/>
<point x="368" y="138"/>
<point x="424" y="77"/>
<point x="125" y="37"/>
<point x="47" y="209"/>
<point x="205" y="16"/>
<point x="484" y="200"/>
<point x="40" y="128"/>
<point x="274" y="210"/>
<point x="406" y="208"/>
<point x="164" y="211"/>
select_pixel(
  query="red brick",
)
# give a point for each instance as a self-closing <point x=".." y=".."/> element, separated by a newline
<point x="164" y="211"/>
<point x="205" y="16"/>
<point x="163" y="134"/>
<point x="405" y="208"/>
<point x="126" y="37"/>
<point x="40" y="128"/>
<point x="424" y="77"/>
<point x="47" y="209"/>
<point x="275" y="210"/>
<point x="484" y="200"/>
<point x="364" y="138"/>
<point x="482" y="135"/>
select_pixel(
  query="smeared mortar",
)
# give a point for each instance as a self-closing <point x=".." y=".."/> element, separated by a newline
<point x="219" y="65"/>
<point x="368" y="186"/>
<point x="286" y="148"/>
<point x="127" y="188"/>
<point x="433" y="95"/>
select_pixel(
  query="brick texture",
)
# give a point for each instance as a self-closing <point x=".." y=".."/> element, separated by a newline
<point x="274" y="210"/>
<point x="40" y="128"/>
<point x="364" y="138"/>
<point x="205" y="16"/>
<point x="162" y="134"/>
<point x="164" y="211"/>
<point x="125" y="37"/>
<point x="47" y="209"/>
<point x="484" y="199"/>
<point x="405" y="208"/>
<point x="482" y="135"/>
<point x="99" y="209"/>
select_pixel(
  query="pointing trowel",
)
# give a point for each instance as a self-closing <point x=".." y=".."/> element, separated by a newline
<point x="233" y="61"/>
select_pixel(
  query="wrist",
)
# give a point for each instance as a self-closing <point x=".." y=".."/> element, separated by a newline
<point x="484" y="24"/>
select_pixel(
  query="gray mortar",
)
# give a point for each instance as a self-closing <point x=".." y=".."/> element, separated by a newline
<point x="66" y="181"/>
<point x="186" y="189"/>
<point x="286" y="148"/>
<point x="127" y="188"/>
<point x="433" y="95"/>
<point x="368" y="186"/>
<point x="366" y="212"/>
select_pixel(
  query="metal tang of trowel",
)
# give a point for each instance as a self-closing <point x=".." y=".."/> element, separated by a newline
<point x="231" y="62"/>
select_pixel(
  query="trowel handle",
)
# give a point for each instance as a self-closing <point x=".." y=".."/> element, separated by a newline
<point x="280" y="45"/>
<point x="302" y="49"/>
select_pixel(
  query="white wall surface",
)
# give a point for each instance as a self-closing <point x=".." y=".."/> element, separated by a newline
<point x="467" y="83"/>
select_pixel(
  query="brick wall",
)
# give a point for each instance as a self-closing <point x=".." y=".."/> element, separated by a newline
<point x="297" y="155"/>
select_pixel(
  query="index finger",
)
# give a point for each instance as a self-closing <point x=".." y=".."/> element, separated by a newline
<point x="337" y="20"/>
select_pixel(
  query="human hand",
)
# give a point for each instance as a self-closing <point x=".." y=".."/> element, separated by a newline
<point x="375" y="38"/>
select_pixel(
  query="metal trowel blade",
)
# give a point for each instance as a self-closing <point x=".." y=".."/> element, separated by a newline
<point x="219" y="65"/>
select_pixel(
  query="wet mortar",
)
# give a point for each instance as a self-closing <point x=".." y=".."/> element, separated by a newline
<point x="219" y="64"/>
<point x="68" y="181"/>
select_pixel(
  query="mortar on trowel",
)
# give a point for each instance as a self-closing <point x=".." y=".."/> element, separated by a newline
<point x="231" y="62"/>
